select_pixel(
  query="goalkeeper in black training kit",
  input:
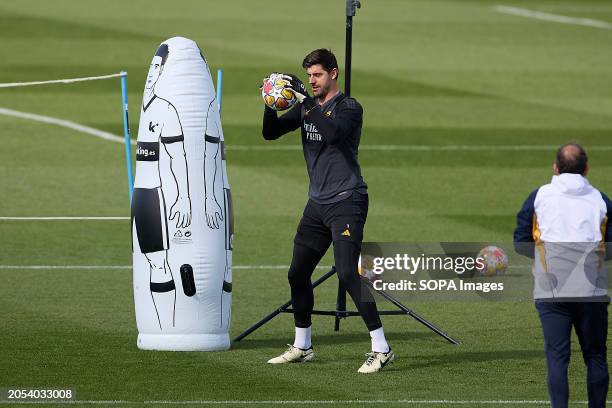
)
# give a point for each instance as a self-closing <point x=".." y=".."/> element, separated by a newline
<point x="337" y="206"/>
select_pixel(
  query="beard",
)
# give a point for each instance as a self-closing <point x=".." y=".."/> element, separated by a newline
<point x="321" y="92"/>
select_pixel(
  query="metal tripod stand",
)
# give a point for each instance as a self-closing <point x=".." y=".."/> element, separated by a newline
<point x="341" y="312"/>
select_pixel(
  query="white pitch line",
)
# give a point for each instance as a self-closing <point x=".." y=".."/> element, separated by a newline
<point x="64" y="123"/>
<point x="295" y="147"/>
<point x="61" y="81"/>
<point x="299" y="402"/>
<point x="63" y="218"/>
<point x="50" y="267"/>
<point x="84" y="267"/>
<point x="422" y="148"/>
<point x="556" y="18"/>
<point x="278" y="147"/>
<point x="374" y="402"/>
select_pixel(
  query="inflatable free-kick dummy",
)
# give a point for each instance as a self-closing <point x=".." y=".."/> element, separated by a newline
<point x="182" y="222"/>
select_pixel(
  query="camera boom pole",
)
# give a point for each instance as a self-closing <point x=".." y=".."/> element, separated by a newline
<point x="351" y="9"/>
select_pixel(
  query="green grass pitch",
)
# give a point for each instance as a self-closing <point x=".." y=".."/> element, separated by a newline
<point x="434" y="73"/>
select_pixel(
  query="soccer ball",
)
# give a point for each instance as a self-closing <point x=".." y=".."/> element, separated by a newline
<point x="494" y="259"/>
<point x="276" y="95"/>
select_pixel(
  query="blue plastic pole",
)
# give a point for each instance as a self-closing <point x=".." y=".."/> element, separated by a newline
<point x="219" y="87"/>
<point x="126" y="131"/>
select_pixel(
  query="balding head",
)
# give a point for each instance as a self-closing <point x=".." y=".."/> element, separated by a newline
<point x="571" y="158"/>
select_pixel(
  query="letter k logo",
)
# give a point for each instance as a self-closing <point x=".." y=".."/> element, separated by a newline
<point x="152" y="126"/>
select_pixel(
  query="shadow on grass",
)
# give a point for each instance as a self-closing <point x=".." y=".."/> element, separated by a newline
<point x="331" y="339"/>
<point x="450" y="357"/>
<point x="463" y="357"/>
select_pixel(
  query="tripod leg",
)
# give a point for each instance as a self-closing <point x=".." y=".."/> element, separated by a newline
<point x="263" y="321"/>
<point x="412" y="314"/>
<point x="282" y="308"/>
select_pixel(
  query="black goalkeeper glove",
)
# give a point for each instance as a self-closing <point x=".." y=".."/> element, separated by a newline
<point x="299" y="89"/>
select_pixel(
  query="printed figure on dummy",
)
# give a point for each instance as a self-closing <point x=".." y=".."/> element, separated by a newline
<point x="149" y="209"/>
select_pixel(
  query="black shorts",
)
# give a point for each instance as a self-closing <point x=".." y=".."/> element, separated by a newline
<point x="149" y="215"/>
<point x="322" y="224"/>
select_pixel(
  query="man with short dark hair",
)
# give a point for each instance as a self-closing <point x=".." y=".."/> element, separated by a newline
<point x="565" y="227"/>
<point x="337" y="207"/>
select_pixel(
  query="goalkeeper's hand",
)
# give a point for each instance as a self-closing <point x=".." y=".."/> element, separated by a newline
<point x="298" y="87"/>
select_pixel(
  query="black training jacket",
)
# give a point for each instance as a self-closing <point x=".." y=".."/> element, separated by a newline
<point x="330" y="140"/>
